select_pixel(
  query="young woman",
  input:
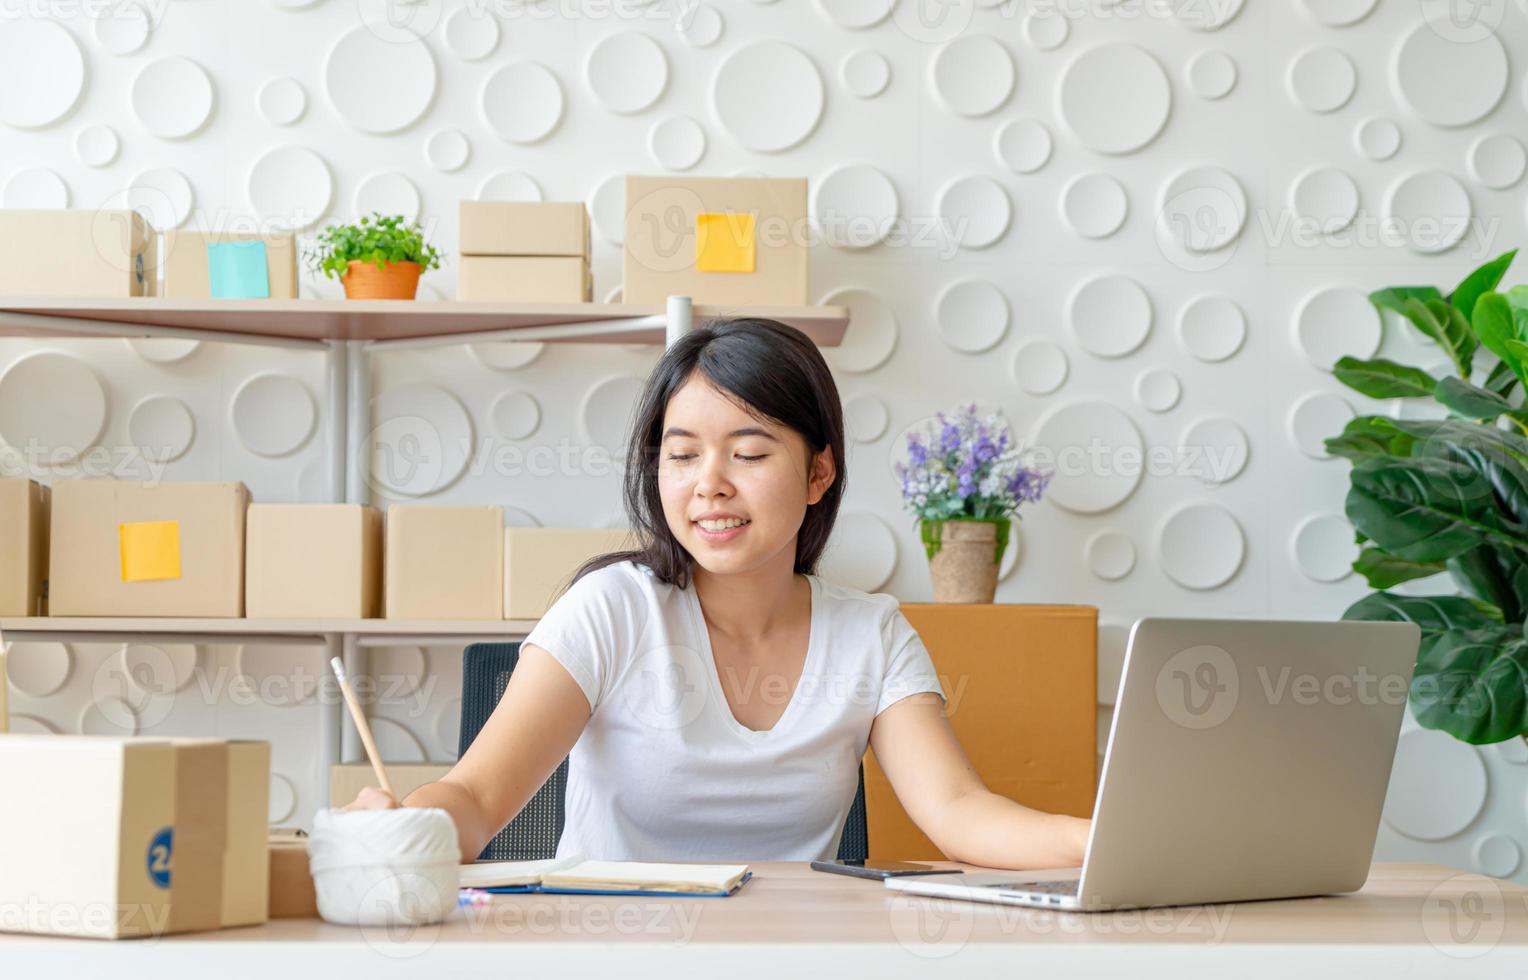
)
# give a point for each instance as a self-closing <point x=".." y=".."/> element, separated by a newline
<point x="715" y="694"/>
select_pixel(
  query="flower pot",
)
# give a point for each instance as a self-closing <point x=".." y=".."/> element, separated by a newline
<point x="395" y="280"/>
<point x="964" y="556"/>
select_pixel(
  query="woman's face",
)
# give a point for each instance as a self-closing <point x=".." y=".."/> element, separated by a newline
<point x="716" y="459"/>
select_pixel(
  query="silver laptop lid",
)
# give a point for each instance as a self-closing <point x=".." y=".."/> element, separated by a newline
<point x="1247" y="759"/>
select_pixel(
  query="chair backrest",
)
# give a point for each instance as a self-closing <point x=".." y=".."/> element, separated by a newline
<point x="534" y="832"/>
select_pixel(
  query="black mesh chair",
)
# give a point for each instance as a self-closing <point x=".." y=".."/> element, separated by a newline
<point x="535" y="830"/>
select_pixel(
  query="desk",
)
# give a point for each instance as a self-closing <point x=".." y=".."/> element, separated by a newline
<point x="790" y="922"/>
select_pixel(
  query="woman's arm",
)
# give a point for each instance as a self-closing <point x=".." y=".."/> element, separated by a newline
<point x="523" y="742"/>
<point x="934" y="781"/>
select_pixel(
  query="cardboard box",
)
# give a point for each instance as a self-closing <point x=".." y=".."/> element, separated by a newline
<point x="125" y="548"/>
<point x="83" y="252"/>
<point x="201" y="834"/>
<point x="1021" y="688"/>
<point x="292" y="895"/>
<point x="718" y="240"/>
<point x="444" y="562"/>
<point x="91" y="851"/>
<point x="540" y="561"/>
<point x="524" y="279"/>
<point x="347" y="779"/>
<point x="23" y="548"/>
<point x="186" y="269"/>
<point x="523" y="228"/>
<point x="312" y="561"/>
<point x="246" y="865"/>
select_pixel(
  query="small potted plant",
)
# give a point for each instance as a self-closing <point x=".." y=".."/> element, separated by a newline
<point x="378" y="257"/>
<point x="964" y="481"/>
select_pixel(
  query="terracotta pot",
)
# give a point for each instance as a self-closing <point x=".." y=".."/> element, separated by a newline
<point x="395" y="280"/>
<point x="964" y="559"/>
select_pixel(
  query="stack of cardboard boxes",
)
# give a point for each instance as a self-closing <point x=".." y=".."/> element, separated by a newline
<point x="524" y="252"/>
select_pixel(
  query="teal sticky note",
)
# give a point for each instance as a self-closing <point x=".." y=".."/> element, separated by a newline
<point x="237" y="270"/>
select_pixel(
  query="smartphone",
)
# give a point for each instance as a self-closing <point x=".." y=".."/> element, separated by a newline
<point x="880" y="869"/>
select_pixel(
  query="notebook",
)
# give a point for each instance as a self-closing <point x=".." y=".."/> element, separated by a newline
<point x="572" y="875"/>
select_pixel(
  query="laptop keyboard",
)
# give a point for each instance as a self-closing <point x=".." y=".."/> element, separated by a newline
<point x="1066" y="886"/>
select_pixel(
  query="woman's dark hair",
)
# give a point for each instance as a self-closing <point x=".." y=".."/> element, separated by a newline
<point x="771" y="371"/>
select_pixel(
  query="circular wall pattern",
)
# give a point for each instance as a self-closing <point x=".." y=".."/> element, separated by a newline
<point x="172" y="97"/>
<point x="866" y="418"/>
<point x="521" y="102"/>
<point x="396" y="743"/>
<point x="53" y="401"/>
<point x="607" y="208"/>
<point x="292" y="183"/>
<point x="626" y="72"/>
<point x="865" y="73"/>
<point x="1447" y="83"/>
<point x="515" y="414"/>
<point x="862" y="553"/>
<point x="1377" y="139"/>
<point x="1115" y="98"/>
<point x="282" y="802"/>
<point x="34" y="187"/>
<point x="1094" y="452"/>
<point x="1110" y="316"/>
<point x="1431" y="209"/>
<point x="282" y="101"/>
<point x="470" y="35"/>
<point x="1211" y="74"/>
<point x="1326" y="196"/>
<point x="123" y="28"/>
<point x="42" y="72"/>
<point x="96" y="145"/>
<point x="1110" y="555"/>
<point x="448" y="726"/>
<point x="272" y="414"/>
<point x="1338" y="13"/>
<point x="509" y="185"/>
<point x="768" y="96"/>
<point x="1094" y="205"/>
<point x="158" y="668"/>
<point x="856" y="15"/>
<point x="1337" y="322"/>
<point x="1023" y="145"/>
<point x="31" y="725"/>
<point x="1199" y="16"/>
<point x="855" y="206"/>
<point x="972" y="315"/>
<point x="1316" y="418"/>
<point x="162" y="428"/>
<point x="1322" y="79"/>
<point x="1047" y="31"/>
<point x="1158" y="389"/>
<point x="1497" y="856"/>
<point x="447" y="150"/>
<point x="38" y="670"/>
<point x="1201" y="546"/>
<point x="379" y="101"/>
<point x="163" y="350"/>
<point x="108" y="716"/>
<point x="1212" y="328"/>
<point x="872" y="332"/>
<point x="390" y="193"/>
<point x="421" y="441"/>
<point x="702" y="27"/>
<point x="972" y="75"/>
<point x="605" y="415"/>
<point x="1040" y="367"/>
<point x="1498" y="161"/>
<point x="1213" y="449"/>
<point x="281" y="675"/>
<point x="506" y="355"/>
<point x="677" y="143"/>
<point x="162" y="195"/>
<point x="1437" y="786"/>
<point x="1203" y="209"/>
<point x="974" y="211"/>
<point x="1323" y="548"/>
<point x="397" y="671"/>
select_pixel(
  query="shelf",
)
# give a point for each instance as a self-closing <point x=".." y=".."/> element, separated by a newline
<point x="259" y="627"/>
<point x="314" y="321"/>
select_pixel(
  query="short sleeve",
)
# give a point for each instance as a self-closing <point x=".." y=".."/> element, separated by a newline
<point x="586" y="626"/>
<point x="909" y="669"/>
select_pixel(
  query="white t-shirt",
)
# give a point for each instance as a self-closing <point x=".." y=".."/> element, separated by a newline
<point x="664" y="770"/>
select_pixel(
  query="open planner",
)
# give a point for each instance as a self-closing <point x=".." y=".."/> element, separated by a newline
<point x="574" y="875"/>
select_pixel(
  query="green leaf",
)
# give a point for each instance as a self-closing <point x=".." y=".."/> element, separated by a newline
<point x="1471" y="402"/>
<point x="1494" y="475"/>
<point x="1495" y="324"/>
<point x="1460" y="342"/>
<point x="1473" y="684"/>
<point x="1486" y="574"/>
<point x="1480" y="282"/>
<point x="1518" y="349"/>
<point x="1382" y="570"/>
<point x="1370" y="435"/>
<point x="1379" y="378"/>
<point x="1395" y="298"/>
<point x="1434" y="437"/>
<point x="1426" y="509"/>
<point x="1501" y="380"/>
<point x="1433" y="613"/>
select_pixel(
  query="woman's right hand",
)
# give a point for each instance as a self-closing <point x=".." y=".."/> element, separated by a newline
<point x="371" y="798"/>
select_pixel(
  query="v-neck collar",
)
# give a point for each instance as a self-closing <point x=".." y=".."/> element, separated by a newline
<point x="808" y="664"/>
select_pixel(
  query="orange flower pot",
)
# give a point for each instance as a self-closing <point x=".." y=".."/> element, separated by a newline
<point x="395" y="280"/>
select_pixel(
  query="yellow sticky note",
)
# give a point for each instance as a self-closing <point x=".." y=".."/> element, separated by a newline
<point x="150" y="550"/>
<point x="724" y="242"/>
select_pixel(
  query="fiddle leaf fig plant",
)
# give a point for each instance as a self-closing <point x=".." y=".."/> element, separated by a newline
<point x="1450" y="496"/>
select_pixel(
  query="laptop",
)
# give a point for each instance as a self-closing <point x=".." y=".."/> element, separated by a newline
<point x="1247" y="760"/>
